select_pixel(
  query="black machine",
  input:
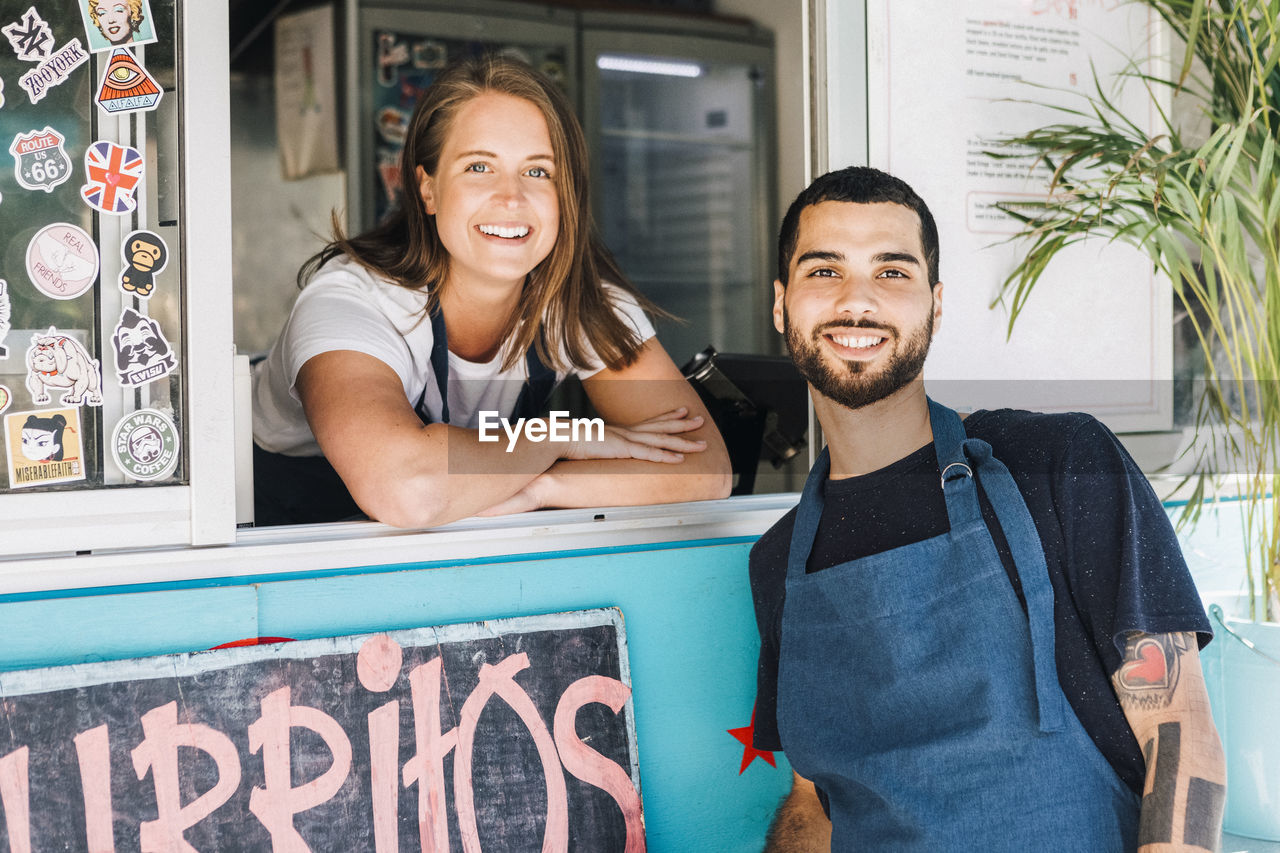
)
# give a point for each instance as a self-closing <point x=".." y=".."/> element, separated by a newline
<point x="759" y="404"/>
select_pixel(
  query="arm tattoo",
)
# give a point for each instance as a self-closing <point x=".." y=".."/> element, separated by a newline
<point x="1156" y="825"/>
<point x="1148" y="676"/>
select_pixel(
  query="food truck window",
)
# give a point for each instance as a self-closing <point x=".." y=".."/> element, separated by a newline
<point x="95" y="358"/>
<point x="683" y="169"/>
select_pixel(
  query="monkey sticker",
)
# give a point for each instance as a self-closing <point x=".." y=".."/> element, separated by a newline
<point x="43" y="448"/>
<point x="142" y="353"/>
<point x="145" y="256"/>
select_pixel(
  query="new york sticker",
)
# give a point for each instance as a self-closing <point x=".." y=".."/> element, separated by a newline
<point x="39" y="160"/>
<point x="126" y="86"/>
<point x="43" y="448"/>
<point x="53" y="71"/>
<point x="30" y="37"/>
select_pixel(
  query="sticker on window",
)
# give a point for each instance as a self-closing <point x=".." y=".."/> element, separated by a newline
<point x="62" y="261"/>
<point x="145" y="256"/>
<point x="57" y="362"/>
<point x="142" y="353"/>
<point x="110" y="24"/>
<point x="54" y="71"/>
<point x="113" y="173"/>
<point x="6" y="397"/>
<point x="4" y="317"/>
<point x="43" y="448"/>
<point x="39" y="160"/>
<point x="144" y="445"/>
<point x="30" y="37"/>
<point x="126" y="86"/>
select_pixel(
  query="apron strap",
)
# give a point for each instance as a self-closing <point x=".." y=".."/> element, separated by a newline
<point x="957" y="473"/>
<point x="534" y="393"/>
<point x="808" y="515"/>
<point x="1028" y="557"/>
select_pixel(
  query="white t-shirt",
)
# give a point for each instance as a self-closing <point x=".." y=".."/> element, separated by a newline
<point x="346" y="307"/>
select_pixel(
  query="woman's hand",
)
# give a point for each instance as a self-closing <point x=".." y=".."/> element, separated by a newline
<point x="657" y="439"/>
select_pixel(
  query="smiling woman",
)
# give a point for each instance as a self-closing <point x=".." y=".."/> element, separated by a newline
<point x="479" y="294"/>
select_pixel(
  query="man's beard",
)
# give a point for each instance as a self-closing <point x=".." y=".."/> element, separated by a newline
<point x="852" y="387"/>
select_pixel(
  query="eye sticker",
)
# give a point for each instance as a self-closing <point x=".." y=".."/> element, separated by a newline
<point x="43" y="448"/>
<point x="62" y="261"/>
<point x="145" y="256"/>
<point x="144" y="445"/>
<point x="114" y="173"/>
<point x="142" y="353"/>
<point x="126" y="86"/>
<point x="58" y="363"/>
<point x="30" y="37"/>
<point x="39" y="160"/>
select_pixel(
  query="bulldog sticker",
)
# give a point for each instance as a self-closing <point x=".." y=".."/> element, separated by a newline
<point x="58" y="362"/>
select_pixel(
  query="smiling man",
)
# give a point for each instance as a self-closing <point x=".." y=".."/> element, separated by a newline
<point x="975" y="635"/>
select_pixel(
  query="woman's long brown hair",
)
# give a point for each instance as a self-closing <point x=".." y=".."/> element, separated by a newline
<point x="563" y="300"/>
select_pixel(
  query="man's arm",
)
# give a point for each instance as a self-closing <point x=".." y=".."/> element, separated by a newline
<point x="1161" y="688"/>
<point x="800" y="826"/>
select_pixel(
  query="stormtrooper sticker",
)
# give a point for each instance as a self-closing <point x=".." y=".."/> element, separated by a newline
<point x="43" y="448"/>
<point x="142" y="353"/>
<point x="58" y="362"/>
<point x="145" y="256"/>
<point x="144" y="445"/>
<point x="4" y="317"/>
<point x="39" y="161"/>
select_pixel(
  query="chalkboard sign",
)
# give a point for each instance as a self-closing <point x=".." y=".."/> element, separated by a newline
<point x="508" y="735"/>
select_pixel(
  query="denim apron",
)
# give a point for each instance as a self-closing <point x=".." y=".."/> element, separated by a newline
<point x="923" y="701"/>
<point x="306" y="489"/>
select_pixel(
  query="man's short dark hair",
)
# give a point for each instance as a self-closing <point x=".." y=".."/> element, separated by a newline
<point x="860" y="185"/>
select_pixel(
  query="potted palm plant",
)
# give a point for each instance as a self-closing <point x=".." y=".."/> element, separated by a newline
<point x="1205" y="208"/>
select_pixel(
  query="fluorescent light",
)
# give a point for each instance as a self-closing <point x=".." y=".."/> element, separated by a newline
<point x="635" y="65"/>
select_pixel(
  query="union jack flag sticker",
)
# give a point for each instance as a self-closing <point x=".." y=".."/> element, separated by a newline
<point x="114" y="172"/>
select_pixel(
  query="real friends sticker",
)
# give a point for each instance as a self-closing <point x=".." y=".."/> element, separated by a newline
<point x="144" y="445"/>
<point x="43" y="448"/>
<point x="126" y="86"/>
<point x="62" y="260"/>
<point x="39" y="160"/>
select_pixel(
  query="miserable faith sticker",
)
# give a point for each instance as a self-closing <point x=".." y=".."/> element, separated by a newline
<point x="113" y="174"/>
<point x="43" y="448"/>
<point x="126" y="86"/>
<point x="62" y="260"/>
<point x="144" y="445"/>
<point x="58" y="362"/>
<point x="142" y="353"/>
<point x="30" y="37"/>
<point x="39" y="160"/>
<point x="145" y="256"/>
<point x="109" y="24"/>
<point x="53" y="71"/>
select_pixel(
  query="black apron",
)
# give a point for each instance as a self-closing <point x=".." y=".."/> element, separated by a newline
<point x="307" y="490"/>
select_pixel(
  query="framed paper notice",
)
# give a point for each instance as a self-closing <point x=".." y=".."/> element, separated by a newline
<point x="947" y="82"/>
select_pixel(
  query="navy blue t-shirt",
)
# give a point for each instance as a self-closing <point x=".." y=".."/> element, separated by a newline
<point x="1113" y="557"/>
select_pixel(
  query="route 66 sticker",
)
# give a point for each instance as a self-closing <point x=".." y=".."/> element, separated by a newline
<point x="40" y="163"/>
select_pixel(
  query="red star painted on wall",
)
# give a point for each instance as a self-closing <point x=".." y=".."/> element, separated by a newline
<point x="749" y="752"/>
